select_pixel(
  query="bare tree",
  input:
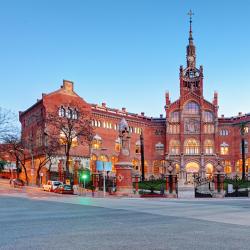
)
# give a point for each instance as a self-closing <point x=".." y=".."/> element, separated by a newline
<point x="47" y="153"/>
<point x="15" y="148"/>
<point x="70" y="124"/>
<point x="8" y="124"/>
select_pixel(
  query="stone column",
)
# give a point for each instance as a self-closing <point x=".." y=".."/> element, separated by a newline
<point x="124" y="165"/>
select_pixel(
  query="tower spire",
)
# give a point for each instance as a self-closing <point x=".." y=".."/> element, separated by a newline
<point x="191" y="56"/>
<point x="190" y="13"/>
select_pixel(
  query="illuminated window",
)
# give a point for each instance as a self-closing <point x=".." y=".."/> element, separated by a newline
<point x="227" y="167"/>
<point x="191" y="147"/>
<point x="174" y="147"/>
<point x="156" y="167"/>
<point x="224" y="149"/>
<point x="173" y="129"/>
<point x="174" y="116"/>
<point x="208" y="128"/>
<point x="209" y="169"/>
<point x="208" y="147"/>
<point x="208" y="116"/>
<point x="191" y="108"/>
<point x="96" y="142"/>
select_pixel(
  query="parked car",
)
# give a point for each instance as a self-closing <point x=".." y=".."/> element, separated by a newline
<point x="17" y="182"/>
<point x="51" y="185"/>
<point x="64" y="189"/>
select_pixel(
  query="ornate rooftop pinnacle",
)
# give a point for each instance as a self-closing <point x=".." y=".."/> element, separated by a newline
<point x="123" y="126"/>
<point x="191" y="56"/>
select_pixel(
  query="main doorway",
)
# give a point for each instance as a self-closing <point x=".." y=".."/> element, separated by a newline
<point x="192" y="170"/>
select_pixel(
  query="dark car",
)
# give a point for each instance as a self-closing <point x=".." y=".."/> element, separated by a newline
<point x="17" y="182"/>
<point x="64" y="189"/>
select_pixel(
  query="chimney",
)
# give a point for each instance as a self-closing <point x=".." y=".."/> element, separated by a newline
<point x="161" y="115"/>
<point x="222" y="116"/>
<point x="123" y="109"/>
<point x="142" y="113"/>
<point x="104" y="104"/>
<point x="240" y="114"/>
<point x="68" y="86"/>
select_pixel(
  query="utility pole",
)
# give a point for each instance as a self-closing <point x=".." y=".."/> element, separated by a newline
<point x="142" y="156"/>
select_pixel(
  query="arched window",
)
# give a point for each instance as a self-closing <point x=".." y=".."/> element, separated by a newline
<point x="227" y="167"/>
<point x="191" y="108"/>
<point x="208" y="128"/>
<point x="74" y="114"/>
<point x="61" y="111"/>
<point x="175" y="116"/>
<point x="224" y="149"/>
<point x="96" y="142"/>
<point x="208" y="116"/>
<point x="191" y="147"/>
<point x="208" y="147"/>
<point x="68" y="113"/>
<point x="174" y="147"/>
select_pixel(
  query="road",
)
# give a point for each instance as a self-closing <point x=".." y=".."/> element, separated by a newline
<point x="40" y="220"/>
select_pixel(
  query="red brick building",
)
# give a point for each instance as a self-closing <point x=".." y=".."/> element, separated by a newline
<point x="190" y="133"/>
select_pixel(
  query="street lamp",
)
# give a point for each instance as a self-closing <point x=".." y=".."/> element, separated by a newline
<point x="104" y="180"/>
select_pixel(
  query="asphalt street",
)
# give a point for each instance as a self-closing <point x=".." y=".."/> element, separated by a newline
<point x="85" y="223"/>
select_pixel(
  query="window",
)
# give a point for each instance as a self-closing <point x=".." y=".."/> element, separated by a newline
<point x="227" y="167"/>
<point x="224" y="149"/>
<point x="61" y="111"/>
<point x="174" y="147"/>
<point x="246" y="147"/>
<point x="191" y="147"/>
<point x="74" y="114"/>
<point x="208" y="147"/>
<point x="208" y="128"/>
<point x="159" y="148"/>
<point x="68" y="113"/>
<point x="96" y="142"/>
<point x="138" y="147"/>
<point x="224" y="132"/>
<point x="191" y="108"/>
<point x="174" y="116"/>
<point x="208" y="116"/>
<point x="173" y="129"/>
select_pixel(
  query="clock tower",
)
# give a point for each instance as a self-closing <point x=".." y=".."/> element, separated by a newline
<point x="191" y="78"/>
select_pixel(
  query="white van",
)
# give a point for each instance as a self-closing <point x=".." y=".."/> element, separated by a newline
<point x="51" y="185"/>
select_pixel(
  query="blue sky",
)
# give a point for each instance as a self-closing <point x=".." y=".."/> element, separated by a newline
<point x="126" y="53"/>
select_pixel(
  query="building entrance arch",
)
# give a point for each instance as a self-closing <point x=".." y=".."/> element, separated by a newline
<point x="192" y="169"/>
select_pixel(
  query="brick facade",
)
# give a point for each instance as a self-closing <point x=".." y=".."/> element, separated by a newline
<point x="191" y="133"/>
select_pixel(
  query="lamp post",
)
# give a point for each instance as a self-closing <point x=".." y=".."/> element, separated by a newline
<point x="103" y="169"/>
